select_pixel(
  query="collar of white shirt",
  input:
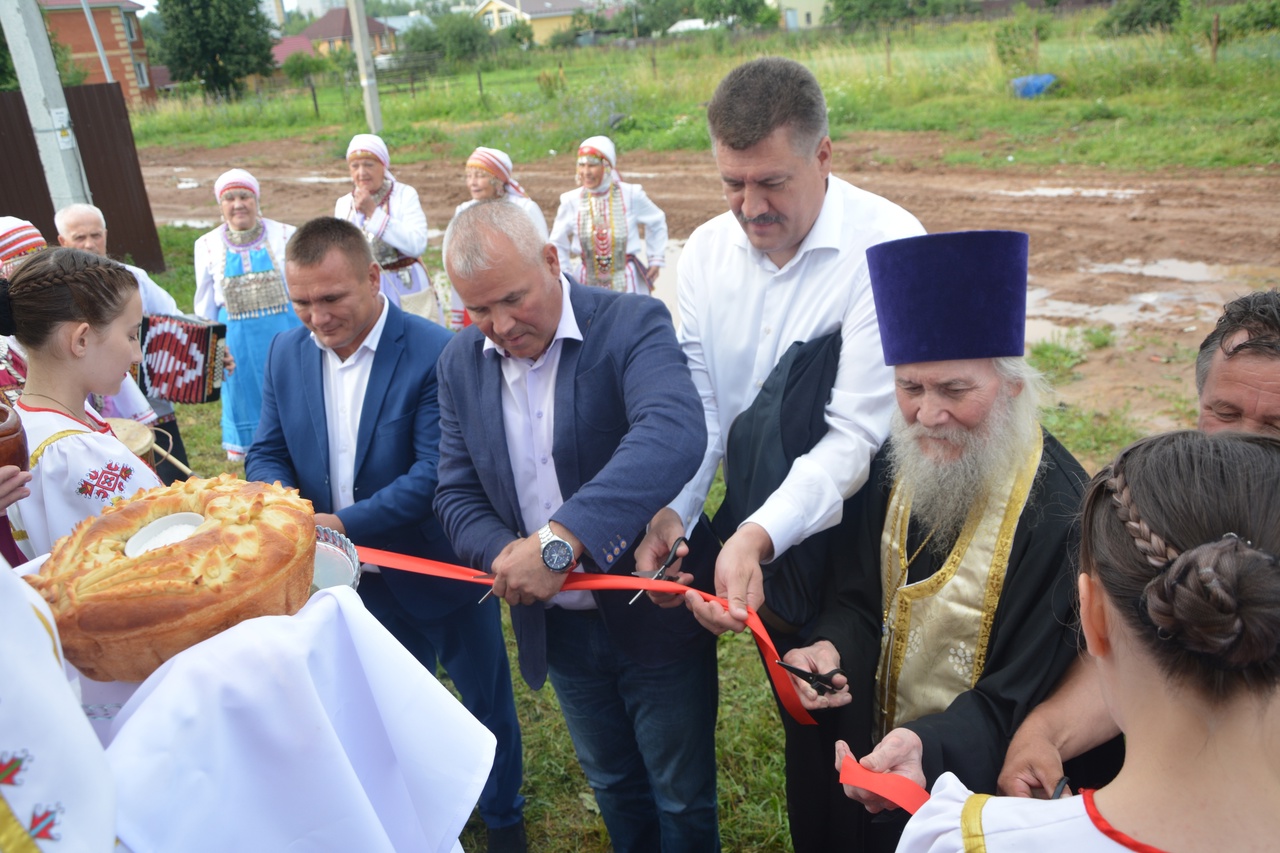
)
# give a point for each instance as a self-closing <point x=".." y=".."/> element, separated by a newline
<point x="370" y="341"/>
<point x="824" y="234"/>
<point x="568" y="327"/>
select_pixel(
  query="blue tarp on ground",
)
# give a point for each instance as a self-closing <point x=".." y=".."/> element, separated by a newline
<point x="1032" y="85"/>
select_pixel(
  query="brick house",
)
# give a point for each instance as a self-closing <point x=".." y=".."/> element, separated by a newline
<point x="332" y="30"/>
<point x="117" y="22"/>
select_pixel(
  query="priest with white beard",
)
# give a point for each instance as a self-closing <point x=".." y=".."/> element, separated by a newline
<point x="950" y="599"/>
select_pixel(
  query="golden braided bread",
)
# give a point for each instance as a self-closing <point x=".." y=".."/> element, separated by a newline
<point x="120" y="617"/>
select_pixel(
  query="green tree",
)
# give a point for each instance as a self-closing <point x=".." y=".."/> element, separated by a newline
<point x="295" y="22"/>
<point x="299" y="66"/>
<point x="517" y="34"/>
<point x="70" y="72"/>
<point x="153" y="34"/>
<point x="733" y="12"/>
<point x="656" y="16"/>
<point x="219" y="42"/>
<point x="856" y="14"/>
<point x="1140" y="16"/>
<point x="422" y="38"/>
<point x="462" y="36"/>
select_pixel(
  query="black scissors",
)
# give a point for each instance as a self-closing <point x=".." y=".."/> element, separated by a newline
<point x="819" y="681"/>
<point x="662" y="570"/>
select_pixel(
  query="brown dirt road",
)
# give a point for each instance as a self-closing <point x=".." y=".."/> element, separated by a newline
<point x="1154" y="254"/>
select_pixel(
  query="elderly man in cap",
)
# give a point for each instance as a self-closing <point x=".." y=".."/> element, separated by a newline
<point x="950" y="612"/>
<point x="1238" y="383"/>
<point x="82" y="226"/>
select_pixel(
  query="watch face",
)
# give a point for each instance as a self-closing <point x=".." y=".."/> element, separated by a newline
<point x="557" y="554"/>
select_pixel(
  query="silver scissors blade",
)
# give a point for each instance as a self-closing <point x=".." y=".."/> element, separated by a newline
<point x="661" y="573"/>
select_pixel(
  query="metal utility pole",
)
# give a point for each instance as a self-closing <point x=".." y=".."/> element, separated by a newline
<point x="364" y="61"/>
<point x="97" y="41"/>
<point x="46" y="105"/>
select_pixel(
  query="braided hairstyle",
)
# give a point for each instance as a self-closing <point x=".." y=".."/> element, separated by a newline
<point x="1182" y="532"/>
<point x="62" y="286"/>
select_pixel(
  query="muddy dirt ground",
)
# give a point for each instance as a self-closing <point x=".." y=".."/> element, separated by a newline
<point x="1152" y="254"/>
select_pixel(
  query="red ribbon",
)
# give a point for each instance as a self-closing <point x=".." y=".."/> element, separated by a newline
<point x="596" y="581"/>
<point x="899" y="790"/>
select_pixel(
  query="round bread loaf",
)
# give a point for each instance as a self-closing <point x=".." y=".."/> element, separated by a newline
<point x="120" y="617"/>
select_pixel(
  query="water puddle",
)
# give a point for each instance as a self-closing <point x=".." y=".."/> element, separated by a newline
<point x="1047" y="316"/>
<point x="1068" y="192"/>
<point x="187" y="183"/>
<point x="321" y="179"/>
<point x="192" y="223"/>
<point x="1192" y="272"/>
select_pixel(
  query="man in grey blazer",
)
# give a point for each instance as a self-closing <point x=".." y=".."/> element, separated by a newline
<point x="568" y="417"/>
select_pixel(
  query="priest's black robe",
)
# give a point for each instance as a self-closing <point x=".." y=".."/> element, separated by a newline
<point x="1032" y="642"/>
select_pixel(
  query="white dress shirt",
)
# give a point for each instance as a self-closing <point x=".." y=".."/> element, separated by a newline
<point x="529" y="417"/>
<point x="740" y="313"/>
<point x="345" y="381"/>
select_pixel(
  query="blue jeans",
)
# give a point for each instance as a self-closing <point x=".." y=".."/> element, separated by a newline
<point x="645" y="736"/>
<point x="468" y="643"/>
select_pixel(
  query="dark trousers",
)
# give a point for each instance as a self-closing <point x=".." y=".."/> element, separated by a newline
<point x="821" y="817"/>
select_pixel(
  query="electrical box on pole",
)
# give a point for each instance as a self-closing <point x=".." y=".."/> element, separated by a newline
<point x="37" y="74"/>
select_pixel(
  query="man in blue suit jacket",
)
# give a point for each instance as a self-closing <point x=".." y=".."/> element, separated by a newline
<point x="568" y="417"/>
<point x="350" y="418"/>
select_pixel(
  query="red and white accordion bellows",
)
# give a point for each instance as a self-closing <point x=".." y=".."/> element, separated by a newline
<point x="182" y="358"/>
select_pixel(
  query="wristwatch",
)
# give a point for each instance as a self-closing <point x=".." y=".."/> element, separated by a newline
<point x="557" y="554"/>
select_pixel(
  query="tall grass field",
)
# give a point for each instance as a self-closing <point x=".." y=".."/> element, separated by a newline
<point x="1140" y="102"/>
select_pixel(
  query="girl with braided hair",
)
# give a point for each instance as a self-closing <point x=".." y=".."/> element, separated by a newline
<point x="1180" y="612"/>
<point x="76" y="314"/>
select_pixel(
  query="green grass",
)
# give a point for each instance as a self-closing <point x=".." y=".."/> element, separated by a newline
<point x="1056" y="358"/>
<point x="1099" y="337"/>
<point x="1141" y="103"/>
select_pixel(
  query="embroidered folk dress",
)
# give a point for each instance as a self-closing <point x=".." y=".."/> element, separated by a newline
<point x="56" y="789"/>
<point x="76" y="473"/>
<point x="397" y="233"/>
<point x="243" y="286"/>
<point x="597" y="235"/>
<point x="955" y="820"/>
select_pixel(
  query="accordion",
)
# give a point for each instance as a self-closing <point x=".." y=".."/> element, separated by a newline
<point x="182" y="358"/>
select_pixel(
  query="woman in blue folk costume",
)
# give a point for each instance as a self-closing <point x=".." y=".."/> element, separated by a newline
<point x="240" y="282"/>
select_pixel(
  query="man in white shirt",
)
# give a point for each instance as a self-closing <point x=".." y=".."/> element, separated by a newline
<point x="350" y="418"/>
<point x="82" y="226"/>
<point x="785" y="264"/>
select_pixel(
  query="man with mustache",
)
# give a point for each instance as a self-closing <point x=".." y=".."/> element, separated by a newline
<point x="949" y="610"/>
<point x="785" y="264"/>
<point x="1238" y="383"/>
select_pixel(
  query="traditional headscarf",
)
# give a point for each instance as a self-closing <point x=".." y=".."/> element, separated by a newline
<point x="235" y="179"/>
<point x="364" y="145"/>
<point x="602" y="147"/>
<point x="18" y="238"/>
<point x="496" y="163"/>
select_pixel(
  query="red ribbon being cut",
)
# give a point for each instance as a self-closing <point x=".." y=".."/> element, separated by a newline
<point x="596" y="581"/>
<point x="899" y="790"/>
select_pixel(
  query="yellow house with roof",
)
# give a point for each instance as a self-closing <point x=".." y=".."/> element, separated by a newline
<point x="547" y="17"/>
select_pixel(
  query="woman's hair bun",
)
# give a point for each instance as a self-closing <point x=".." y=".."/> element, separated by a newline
<point x="1220" y="600"/>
